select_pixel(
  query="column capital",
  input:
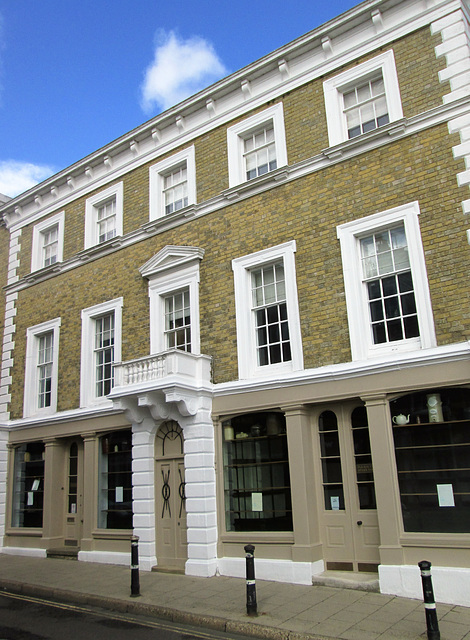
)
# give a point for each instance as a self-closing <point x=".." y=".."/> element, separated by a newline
<point x="375" y="399"/>
<point x="296" y="409"/>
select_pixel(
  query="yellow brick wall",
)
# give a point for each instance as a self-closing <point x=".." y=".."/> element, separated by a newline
<point x="420" y="167"/>
<point x="306" y="136"/>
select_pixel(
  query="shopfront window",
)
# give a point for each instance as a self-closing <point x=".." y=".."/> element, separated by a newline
<point x="115" y="481"/>
<point x="28" y="489"/>
<point x="256" y="473"/>
<point x="431" y="432"/>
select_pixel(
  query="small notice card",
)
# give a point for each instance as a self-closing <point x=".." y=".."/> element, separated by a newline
<point x="257" y="502"/>
<point x="334" y="501"/>
<point x="445" y="495"/>
<point x="119" y="494"/>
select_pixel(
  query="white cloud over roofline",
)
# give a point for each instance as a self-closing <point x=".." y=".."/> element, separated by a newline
<point x="179" y="69"/>
<point x="17" y="177"/>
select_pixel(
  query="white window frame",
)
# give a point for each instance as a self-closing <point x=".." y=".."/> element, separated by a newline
<point x="349" y="235"/>
<point x="33" y="334"/>
<point x="334" y="88"/>
<point x="246" y="333"/>
<point x="92" y="206"/>
<point x="39" y="231"/>
<point x="88" y="397"/>
<point x="235" y="141"/>
<point x="157" y="173"/>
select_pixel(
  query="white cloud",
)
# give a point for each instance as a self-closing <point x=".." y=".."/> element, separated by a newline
<point x="179" y="69"/>
<point x="16" y="177"/>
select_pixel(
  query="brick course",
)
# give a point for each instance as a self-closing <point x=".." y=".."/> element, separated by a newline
<point x="420" y="167"/>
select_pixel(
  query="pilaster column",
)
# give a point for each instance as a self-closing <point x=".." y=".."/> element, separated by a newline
<point x="385" y="479"/>
<point x="200" y="490"/>
<point x="90" y="489"/>
<point x="54" y="494"/>
<point x="143" y="490"/>
<point x="307" y="545"/>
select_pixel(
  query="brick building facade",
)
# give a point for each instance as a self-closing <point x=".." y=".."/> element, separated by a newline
<point x="248" y="320"/>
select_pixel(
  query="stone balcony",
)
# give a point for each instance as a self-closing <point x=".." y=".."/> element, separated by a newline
<point x="157" y="381"/>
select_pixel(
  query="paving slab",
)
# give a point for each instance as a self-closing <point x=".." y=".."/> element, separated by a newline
<point x="286" y="612"/>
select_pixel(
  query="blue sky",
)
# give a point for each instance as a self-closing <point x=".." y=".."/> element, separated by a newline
<point x="75" y="75"/>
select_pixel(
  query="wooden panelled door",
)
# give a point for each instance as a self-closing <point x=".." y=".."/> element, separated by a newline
<point x="170" y="516"/>
<point x="350" y="531"/>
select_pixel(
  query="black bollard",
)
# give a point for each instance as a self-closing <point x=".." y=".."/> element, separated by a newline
<point x="251" y="605"/>
<point x="135" y="582"/>
<point x="429" y="603"/>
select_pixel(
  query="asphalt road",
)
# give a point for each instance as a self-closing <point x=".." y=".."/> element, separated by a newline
<point x="26" y="618"/>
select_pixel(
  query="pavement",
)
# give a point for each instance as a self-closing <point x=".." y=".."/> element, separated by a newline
<point x="285" y="611"/>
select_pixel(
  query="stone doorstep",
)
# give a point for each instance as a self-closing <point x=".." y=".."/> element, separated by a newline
<point x="360" y="581"/>
<point x="63" y="553"/>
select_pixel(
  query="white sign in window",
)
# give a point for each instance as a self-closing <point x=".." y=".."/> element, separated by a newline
<point x="334" y="500"/>
<point x="257" y="502"/>
<point x="445" y="495"/>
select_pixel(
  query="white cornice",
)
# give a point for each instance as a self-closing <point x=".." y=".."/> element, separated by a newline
<point x="348" y="370"/>
<point x="372" y="24"/>
<point x="326" y="158"/>
<point x="333" y="373"/>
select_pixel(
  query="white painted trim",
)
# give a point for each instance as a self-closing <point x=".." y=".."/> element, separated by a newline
<point x="156" y="180"/>
<point x="24" y="551"/>
<point x="87" y="365"/>
<point x="270" y="569"/>
<point x="362" y="346"/>
<point x="346" y="371"/>
<point x="92" y="204"/>
<point x="170" y="270"/>
<point x="334" y="88"/>
<point x="450" y="584"/>
<point x="236" y="133"/>
<point x="39" y="229"/>
<point x="106" y="557"/>
<point x="30" y="402"/>
<point x="246" y="339"/>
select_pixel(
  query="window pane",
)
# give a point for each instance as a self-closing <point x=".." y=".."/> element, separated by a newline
<point x="104" y="354"/>
<point x="389" y="286"/>
<point x="411" y="327"/>
<point x="178" y="321"/>
<point x="394" y="330"/>
<point x="363" y="93"/>
<point x="377" y="86"/>
<point x="392" y="308"/>
<point x="268" y="287"/>
<point x="28" y="487"/>
<point x="256" y="474"/>
<point x="115" y="481"/>
<point x="349" y="99"/>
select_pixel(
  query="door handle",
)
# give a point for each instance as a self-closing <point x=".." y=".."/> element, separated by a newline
<point x="359" y="522"/>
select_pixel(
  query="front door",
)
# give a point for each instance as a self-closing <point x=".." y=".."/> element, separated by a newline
<point x="170" y="517"/>
<point x="350" y="531"/>
<point x="74" y="500"/>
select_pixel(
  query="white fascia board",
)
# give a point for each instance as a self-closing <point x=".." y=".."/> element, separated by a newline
<point x="348" y="370"/>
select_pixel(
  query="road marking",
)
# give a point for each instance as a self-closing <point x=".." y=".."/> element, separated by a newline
<point x="175" y="627"/>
